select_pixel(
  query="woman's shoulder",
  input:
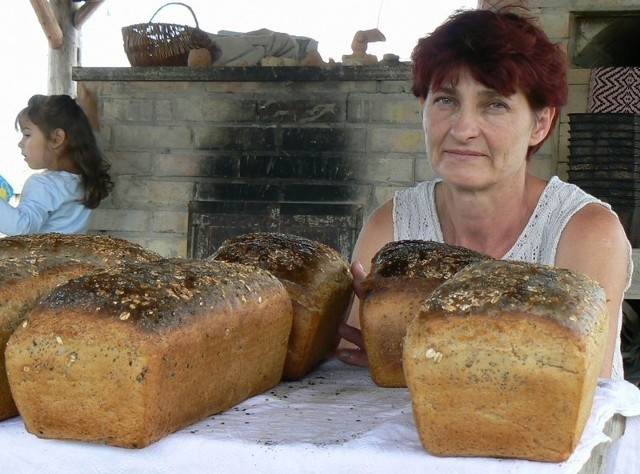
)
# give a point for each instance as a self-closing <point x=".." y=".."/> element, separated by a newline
<point x="381" y="219"/>
<point x="594" y="228"/>
<point x="595" y="221"/>
<point x="557" y="186"/>
<point x="585" y="215"/>
<point x="561" y="198"/>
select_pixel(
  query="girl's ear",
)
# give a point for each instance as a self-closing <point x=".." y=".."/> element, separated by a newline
<point x="57" y="138"/>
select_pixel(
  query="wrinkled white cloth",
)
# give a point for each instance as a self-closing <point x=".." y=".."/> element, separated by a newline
<point x="333" y="420"/>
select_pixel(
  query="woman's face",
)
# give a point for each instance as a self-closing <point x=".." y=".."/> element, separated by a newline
<point x="35" y="147"/>
<point x="476" y="137"/>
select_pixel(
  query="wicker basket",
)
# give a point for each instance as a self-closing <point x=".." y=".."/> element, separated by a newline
<point x="163" y="44"/>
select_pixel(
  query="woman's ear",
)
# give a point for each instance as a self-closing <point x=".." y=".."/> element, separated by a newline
<point x="57" y="138"/>
<point x="542" y="124"/>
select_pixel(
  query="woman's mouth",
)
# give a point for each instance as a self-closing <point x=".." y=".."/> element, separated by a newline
<point x="464" y="154"/>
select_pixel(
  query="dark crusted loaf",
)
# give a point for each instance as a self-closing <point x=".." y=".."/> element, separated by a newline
<point x="318" y="281"/>
<point x="403" y="274"/>
<point x="129" y="354"/>
<point x="102" y="250"/>
<point x="32" y="265"/>
<point x="23" y="281"/>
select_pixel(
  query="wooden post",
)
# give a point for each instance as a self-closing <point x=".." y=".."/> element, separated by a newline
<point x="48" y="21"/>
<point x="63" y="59"/>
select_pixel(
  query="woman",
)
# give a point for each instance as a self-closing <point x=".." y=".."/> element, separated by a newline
<point x="56" y="138"/>
<point x="490" y="85"/>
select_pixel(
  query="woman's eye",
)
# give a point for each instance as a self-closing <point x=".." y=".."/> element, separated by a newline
<point x="497" y="105"/>
<point x="443" y="100"/>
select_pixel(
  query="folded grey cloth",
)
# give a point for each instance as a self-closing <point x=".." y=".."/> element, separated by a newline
<point x="247" y="49"/>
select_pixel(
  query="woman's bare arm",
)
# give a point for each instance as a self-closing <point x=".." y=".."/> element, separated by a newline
<point x="594" y="243"/>
<point x="377" y="231"/>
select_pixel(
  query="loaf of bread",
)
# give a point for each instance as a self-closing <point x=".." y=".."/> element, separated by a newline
<point x="32" y="265"/>
<point x="103" y="250"/>
<point x="503" y="361"/>
<point x="318" y="281"/>
<point x="129" y="354"/>
<point x="23" y="281"/>
<point x="403" y="274"/>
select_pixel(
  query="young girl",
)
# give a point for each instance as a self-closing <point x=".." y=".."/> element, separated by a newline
<point x="57" y="138"/>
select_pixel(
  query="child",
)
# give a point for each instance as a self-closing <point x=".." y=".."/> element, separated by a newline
<point x="57" y="138"/>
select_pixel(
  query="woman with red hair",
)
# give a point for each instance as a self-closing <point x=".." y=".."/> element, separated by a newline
<point x="490" y="85"/>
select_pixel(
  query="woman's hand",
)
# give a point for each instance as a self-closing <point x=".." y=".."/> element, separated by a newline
<point x="356" y="355"/>
<point x="375" y="233"/>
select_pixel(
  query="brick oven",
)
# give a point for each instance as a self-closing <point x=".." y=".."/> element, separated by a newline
<point x="200" y="154"/>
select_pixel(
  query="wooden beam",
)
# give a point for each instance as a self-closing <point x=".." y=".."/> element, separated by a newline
<point x="63" y="59"/>
<point x="48" y="22"/>
<point x="83" y="13"/>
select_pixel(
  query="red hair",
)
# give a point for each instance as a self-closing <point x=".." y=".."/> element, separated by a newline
<point x="503" y="51"/>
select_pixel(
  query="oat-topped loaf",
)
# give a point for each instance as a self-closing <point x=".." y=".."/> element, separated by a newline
<point x="23" y="281"/>
<point x="129" y="354"/>
<point x="100" y="249"/>
<point x="317" y="279"/>
<point x="31" y="265"/>
<point x="503" y="361"/>
<point x="403" y="274"/>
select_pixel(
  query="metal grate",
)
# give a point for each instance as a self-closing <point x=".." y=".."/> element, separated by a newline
<point x="212" y="222"/>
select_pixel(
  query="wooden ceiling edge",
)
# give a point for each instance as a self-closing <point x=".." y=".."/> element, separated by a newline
<point x="49" y="23"/>
<point x="83" y="13"/>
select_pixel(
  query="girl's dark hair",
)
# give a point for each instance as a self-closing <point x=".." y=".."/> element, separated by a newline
<point x="52" y="112"/>
<point x="502" y="50"/>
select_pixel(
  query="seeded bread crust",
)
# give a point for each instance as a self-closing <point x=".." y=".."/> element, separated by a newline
<point x="31" y="265"/>
<point x="403" y="274"/>
<point x="127" y="355"/>
<point x="103" y="250"/>
<point x="23" y="281"/>
<point x="318" y="281"/>
<point x="503" y="361"/>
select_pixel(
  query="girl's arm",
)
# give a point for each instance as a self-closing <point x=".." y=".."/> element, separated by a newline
<point x="32" y="211"/>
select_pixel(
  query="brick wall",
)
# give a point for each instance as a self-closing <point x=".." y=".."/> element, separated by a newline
<point x="175" y="136"/>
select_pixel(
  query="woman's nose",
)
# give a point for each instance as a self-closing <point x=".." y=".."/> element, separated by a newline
<point x="464" y="125"/>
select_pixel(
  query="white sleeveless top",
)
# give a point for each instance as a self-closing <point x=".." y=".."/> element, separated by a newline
<point x="415" y="217"/>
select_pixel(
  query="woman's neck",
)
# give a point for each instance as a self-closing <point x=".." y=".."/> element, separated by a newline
<point x="489" y="221"/>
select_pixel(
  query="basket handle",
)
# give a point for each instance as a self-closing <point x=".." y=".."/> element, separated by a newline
<point x="176" y="3"/>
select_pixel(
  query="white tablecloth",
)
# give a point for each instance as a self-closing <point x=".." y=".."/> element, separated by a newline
<point x="334" y="420"/>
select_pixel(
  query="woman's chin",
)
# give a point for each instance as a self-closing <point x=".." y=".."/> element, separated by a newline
<point x="463" y="178"/>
